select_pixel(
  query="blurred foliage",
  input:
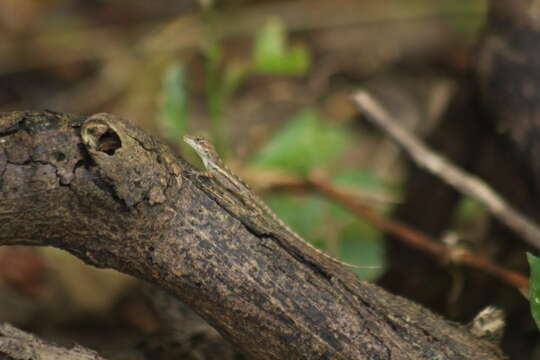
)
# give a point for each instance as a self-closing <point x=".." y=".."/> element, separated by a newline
<point x="214" y="88"/>
<point x="305" y="142"/>
<point x="271" y="56"/>
<point x="534" y="291"/>
<point x="222" y="78"/>
<point x="364" y="179"/>
<point x="469" y="20"/>
<point x="361" y="244"/>
<point x="317" y="219"/>
<point x="468" y="212"/>
<point x="468" y="209"/>
<point x="174" y="110"/>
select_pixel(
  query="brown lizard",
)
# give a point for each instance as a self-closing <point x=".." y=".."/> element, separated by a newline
<point x="218" y="170"/>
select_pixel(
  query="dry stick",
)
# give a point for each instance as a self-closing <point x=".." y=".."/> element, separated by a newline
<point x="405" y="233"/>
<point x="417" y="239"/>
<point x="450" y="173"/>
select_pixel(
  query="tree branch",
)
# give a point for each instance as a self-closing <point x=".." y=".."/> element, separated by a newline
<point x="105" y="191"/>
<point x="450" y="173"/>
<point x="20" y="345"/>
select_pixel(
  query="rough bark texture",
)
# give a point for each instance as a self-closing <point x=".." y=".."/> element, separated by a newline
<point x="105" y="191"/>
<point x="182" y="334"/>
<point x="18" y="345"/>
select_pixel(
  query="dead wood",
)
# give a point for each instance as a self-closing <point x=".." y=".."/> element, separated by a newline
<point x="115" y="197"/>
<point x="19" y="345"/>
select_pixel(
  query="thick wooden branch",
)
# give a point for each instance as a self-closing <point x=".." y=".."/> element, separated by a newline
<point x="105" y="191"/>
<point x="20" y="345"/>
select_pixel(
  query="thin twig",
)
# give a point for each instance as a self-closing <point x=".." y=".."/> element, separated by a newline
<point x="404" y="233"/>
<point x="417" y="239"/>
<point x="438" y="165"/>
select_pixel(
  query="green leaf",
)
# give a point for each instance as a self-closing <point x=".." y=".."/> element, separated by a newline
<point x="270" y="40"/>
<point x="361" y="245"/>
<point x="271" y="56"/>
<point x="173" y="111"/>
<point x="311" y="216"/>
<point x="304" y="143"/>
<point x="534" y="291"/>
<point x="235" y="73"/>
<point x="212" y="77"/>
<point x="296" y="62"/>
<point x="302" y="214"/>
<point x="366" y="180"/>
<point x="467" y="215"/>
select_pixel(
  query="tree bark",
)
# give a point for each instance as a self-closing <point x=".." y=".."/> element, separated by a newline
<point x="19" y="345"/>
<point x="115" y="197"/>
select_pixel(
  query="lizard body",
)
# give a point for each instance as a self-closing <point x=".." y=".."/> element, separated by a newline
<point x="218" y="170"/>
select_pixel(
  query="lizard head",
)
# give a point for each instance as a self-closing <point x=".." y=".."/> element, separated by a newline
<point x="203" y="147"/>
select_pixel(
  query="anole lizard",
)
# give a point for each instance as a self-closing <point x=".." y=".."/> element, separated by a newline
<point x="218" y="170"/>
